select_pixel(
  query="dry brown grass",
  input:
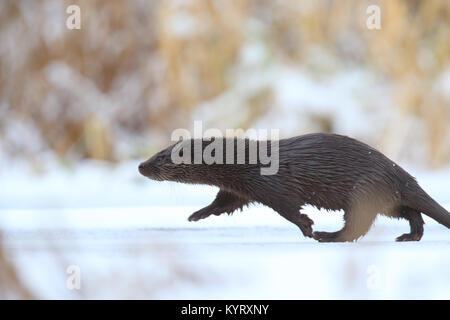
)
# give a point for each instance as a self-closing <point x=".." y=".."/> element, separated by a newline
<point x="12" y="285"/>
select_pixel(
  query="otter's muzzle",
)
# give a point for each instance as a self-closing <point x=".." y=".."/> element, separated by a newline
<point x="142" y="168"/>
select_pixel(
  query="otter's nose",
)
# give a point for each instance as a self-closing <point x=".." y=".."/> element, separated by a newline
<point x="142" y="167"/>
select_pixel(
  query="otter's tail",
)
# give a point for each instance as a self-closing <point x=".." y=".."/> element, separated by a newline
<point x="418" y="199"/>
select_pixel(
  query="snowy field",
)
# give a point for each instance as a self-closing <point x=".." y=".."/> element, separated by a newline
<point x="131" y="239"/>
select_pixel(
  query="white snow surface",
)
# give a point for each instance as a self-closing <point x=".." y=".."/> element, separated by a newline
<point x="131" y="239"/>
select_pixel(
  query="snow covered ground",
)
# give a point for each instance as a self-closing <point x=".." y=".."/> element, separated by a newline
<point x="155" y="253"/>
<point x="131" y="241"/>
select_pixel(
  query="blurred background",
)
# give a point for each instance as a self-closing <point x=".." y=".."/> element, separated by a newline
<point x="80" y="108"/>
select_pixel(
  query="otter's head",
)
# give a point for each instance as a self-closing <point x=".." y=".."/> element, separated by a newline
<point x="173" y="164"/>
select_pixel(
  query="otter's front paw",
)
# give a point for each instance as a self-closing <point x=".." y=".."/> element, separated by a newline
<point x="305" y="225"/>
<point x="198" y="215"/>
<point x="323" y="236"/>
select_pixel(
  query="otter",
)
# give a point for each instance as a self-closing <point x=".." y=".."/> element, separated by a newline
<point x="328" y="171"/>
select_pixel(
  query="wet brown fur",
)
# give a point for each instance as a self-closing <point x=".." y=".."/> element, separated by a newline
<point x="327" y="171"/>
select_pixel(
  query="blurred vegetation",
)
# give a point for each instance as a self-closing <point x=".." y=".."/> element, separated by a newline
<point x="139" y="69"/>
<point x="11" y="284"/>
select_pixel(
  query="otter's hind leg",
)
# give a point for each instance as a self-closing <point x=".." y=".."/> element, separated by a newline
<point x="358" y="220"/>
<point x="416" y="223"/>
<point x="224" y="202"/>
<point x="357" y="224"/>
